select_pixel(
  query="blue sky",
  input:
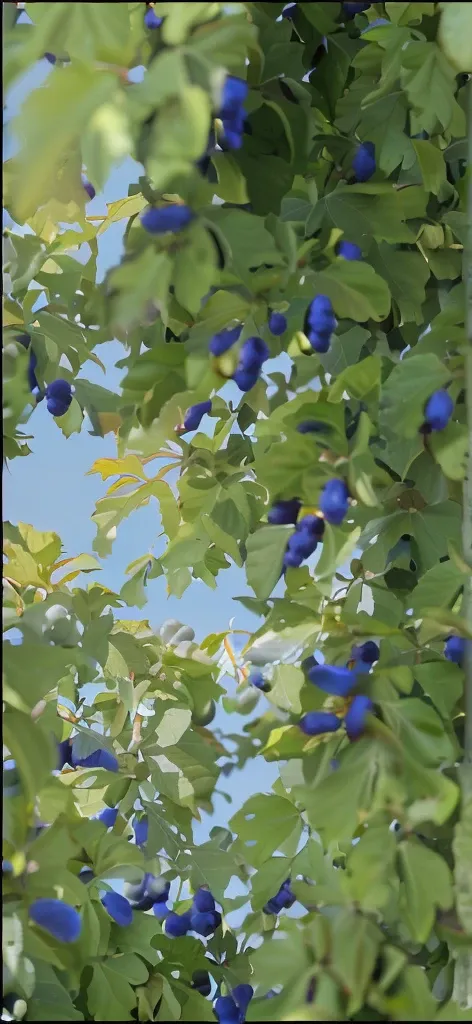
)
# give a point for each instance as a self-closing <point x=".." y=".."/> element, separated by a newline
<point x="51" y="490"/>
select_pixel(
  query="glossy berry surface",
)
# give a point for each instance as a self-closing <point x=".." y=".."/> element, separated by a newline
<point x="368" y="652"/>
<point x="315" y="723"/>
<point x="332" y="679"/>
<point x="119" y="908"/>
<point x="58" y="397"/>
<point x="203" y="923"/>
<point x="173" y="217"/>
<point x="355" y="717"/>
<point x="277" y="324"/>
<point x="438" y="410"/>
<point x="97" y="759"/>
<point x="203" y="901"/>
<point x="194" y="415"/>
<point x="454" y="649"/>
<point x="61" y="920"/>
<point x="284" y="513"/>
<point x="177" y="925"/>
<point x="222" y="341"/>
<point x="334" y="501"/>
<point x="363" y="164"/>
<point x="349" y="251"/>
<point x="151" y="20"/>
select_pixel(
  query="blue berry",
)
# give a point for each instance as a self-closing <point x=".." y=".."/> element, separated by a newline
<point x="349" y="251"/>
<point x="454" y="649"/>
<point x="51" y="58"/>
<point x="32" y="363"/>
<point x="368" y="652"/>
<point x="226" y="1010"/>
<point x="203" y="923"/>
<point x="315" y="723"/>
<point x="97" y="759"/>
<point x="58" y="397"/>
<point x="332" y="679"/>
<point x="140" y="826"/>
<point x="89" y="189"/>
<point x="64" y="754"/>
<point x="283" y="900"/>
<point x="221" y="342"/>
<point x="160" y="220"/>
<point x="277" y="324"/>
<point x="355" y="717"/>
<point x="242" y="995"/>
<point x="151" y="19"/>
<point x="320" y="343"/>
<point x="203" y="901"/>
<point x="108" y="816"/>
<point x="177" y="925"/>
<point x="194" y="415"/>
<point x="313" y="427"/>
<point x="439" y="409"/>
<point x="61" y="920"/>
<point x="253" y="354"/>
<point x="201" y="982"/>
<point x="284" y="513"/>
<point x="118" y="908"/>
<point x="351" y="9"/>
<point x="334" y="501"/>
<point x="257" y="679"/>
<point x="363" y="164"/>
<point x="289" y="11"/>
<point x="232" y="111"/>
<point x="245" y="379"/>
<point x="86" y="875"/>
<point x="161" y="911"/>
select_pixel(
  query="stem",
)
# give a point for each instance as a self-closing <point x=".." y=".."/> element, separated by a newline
<point x="462" y="845"/>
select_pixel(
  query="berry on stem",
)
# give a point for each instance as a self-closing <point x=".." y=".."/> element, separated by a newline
<point x="284" y="513"/>
<point x="439" y="409"/>
<point x="315" y="723"/>
<point x="194" y="415"/>
<point x="355" y="717"/>
<point x="221" y="342"/>
<point x="334" y="501"/>
<point x="332" y="679"/>
<point x="118" y="907"/>
<point x="349" y="251"/>
<point x="363" y="164"/>
<point x="277" y="324"/>
<point x="160" y="220"/>
<point x="61" y="920"/>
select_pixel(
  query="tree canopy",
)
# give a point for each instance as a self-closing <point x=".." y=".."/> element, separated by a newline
<point x="290" y="298"/>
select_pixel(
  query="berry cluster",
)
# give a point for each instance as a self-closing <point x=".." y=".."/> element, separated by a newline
<point x="320" y="323"/>
<point x="232" y="1009"/>
<point x="338" y="681"/>
<point x="283" y="900"/>
<point x="232" y="111"/>
<point x="202" y="918"/>
<point x="253" y="354"/>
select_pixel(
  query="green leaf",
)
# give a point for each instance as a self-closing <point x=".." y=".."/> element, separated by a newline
<point x="50" y="1000"/>
<point x="109" y="996"/>
<point x="285" y="686"/>
<point x="265" y="552"/>
<point x="355" y="290"/>
<point x="440" y="584"/>
<point x="32" y="670"/>
<point x="428" y="81"/>
<point x="426" y="885"/>
<point x="419" y="729"/>
<point x="252" y="823"/>
<point x="32" y="749"/>
<point x="213" y="867"/>
<point x="406" y="274"/>
<point x="432" y="165"/>
<point x="455" y="31"/>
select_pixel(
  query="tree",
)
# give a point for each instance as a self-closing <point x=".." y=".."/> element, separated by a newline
<point x="302" y="191"/>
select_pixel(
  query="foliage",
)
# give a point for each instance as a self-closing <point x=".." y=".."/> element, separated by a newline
<point x="257" y="187"/>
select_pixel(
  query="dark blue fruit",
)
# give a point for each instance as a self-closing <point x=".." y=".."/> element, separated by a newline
<point x="454" y="649"/>
<point x="202" y="923"/>
<point x="108" y="816"/>
<point x="332" y="679"/>
<point x="315" y="723"/>
<point x="174" y="217"/>
<point x="368" y="652"/>
<point x="277" y="324"/>
<point x="201" y="982"/>
<point x="89" y="189"/>
<point x="284" y="513"/>
<point x="232" y="111"/>
<point x="226" y="1010"/>
<point x="61" y="920"/>
<point x="50" y="57"/>
<point x="245" y="379"/>
<point x="221" y="342"/>
<point x="313" y="427"/>
<point x="334" y="501"/>
<point x="177" y="925"/>
<point x="140" y="826"/>
<point x="118" y="908"/>
<point x="97" y="759"/>
<point x="151" y="19"/>
<point x="349" y="251"/>
<point x="58" y="397"/>
<point x="253" y="354"/>
<point x="355" y="717"/>
<point x="32" y="363"/>
<point x="283" y="900"/>
<point x="194" y="415"/>
<point x="439" y="409"/>
<point x="257" y="679"/>
<point x="363" y="164"/>
<point x="203" y="901"/>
